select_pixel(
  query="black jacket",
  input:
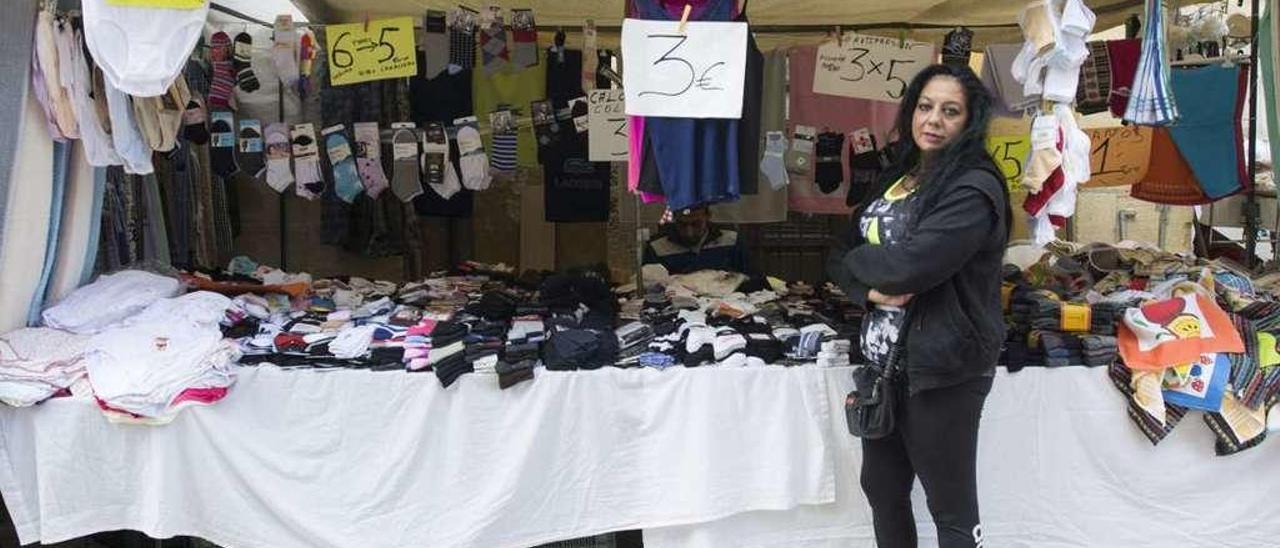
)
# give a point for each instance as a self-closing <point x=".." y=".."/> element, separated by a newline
<point x="951" y="262"/>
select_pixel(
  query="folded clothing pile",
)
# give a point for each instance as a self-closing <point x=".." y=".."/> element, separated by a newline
<point x="1099" y="350"/>
<point x="1060" y="349"/>
<point x="110" y="299"/>
<point x="569" y="349"/>
<point x="171" y="355"/>
<point x="39" y="363"/>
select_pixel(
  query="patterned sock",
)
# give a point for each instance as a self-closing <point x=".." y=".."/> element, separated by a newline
<point x="493" y="43"/>
<point x="503" y="160"/>
<point x="279" y="174"/>
<point x="306" y="162"/>
<point x="369" y="158"/>
<point x="222" y="153"/>
<point x="250" y="157"/>
<point x="346" y="180"/>
<point x="462" y="39"/>
<point x="435" y="43"/>
<point x="244" y="72"/>
<point x="524" y="35"/>
<point x="223" y="84"/>
<point x="405" y="182"/>
<point x="195" y="124"/>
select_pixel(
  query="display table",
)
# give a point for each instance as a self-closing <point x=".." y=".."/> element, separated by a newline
<point x="357" y="458"/>
<point x="1060" y="466"/>
<point x="696" y="457"/>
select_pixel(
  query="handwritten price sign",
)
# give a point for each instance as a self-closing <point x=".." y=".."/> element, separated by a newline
<point x="869" y="67"/>
<point x="1010" y="153"/>
<point x="1120" y="155"/>
<point x="698" y="74"/>
<point x="606" y="126"/>
<point x="384" y="49"/>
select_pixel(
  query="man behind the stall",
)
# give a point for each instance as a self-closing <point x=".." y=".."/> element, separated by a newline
<point x="691" y="243"/>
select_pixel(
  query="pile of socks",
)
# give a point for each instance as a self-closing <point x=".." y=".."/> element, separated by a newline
<point x="417" y="346"/>
<point x="570" y="349"/>
<point x="511" y="374"/>
<point x="448" y="352"/>
<point x="1061" y="350"/>
<point x="729" y="348"/>
<point x="1105" y="317"/>
<point x="834" y="353"/>
<point x="1099" y="350"/>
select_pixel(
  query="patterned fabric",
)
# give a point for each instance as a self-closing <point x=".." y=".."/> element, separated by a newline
<point x="1149" y="425"/>
<point x="1249" y="432"/>
<point x="1151" y="102"/>
<point x="221" y="221"/>
<point x="1094" y="92"/>
<point x="885" y="222"/>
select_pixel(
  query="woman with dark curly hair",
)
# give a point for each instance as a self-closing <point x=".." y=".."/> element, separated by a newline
<point x="931" y="239"/>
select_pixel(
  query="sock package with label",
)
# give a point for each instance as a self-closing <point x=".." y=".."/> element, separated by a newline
<point x="306" y="162"/>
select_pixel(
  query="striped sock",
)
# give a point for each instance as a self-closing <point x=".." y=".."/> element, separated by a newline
<point x="224" y="82"/>
<point x="245" y="77"/>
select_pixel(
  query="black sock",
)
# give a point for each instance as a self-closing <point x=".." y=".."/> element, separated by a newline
<point x="195" y="124"/>
<point x="222" y="153"/>
<point x="243" y="50"/>
<point x="250" y="155"/>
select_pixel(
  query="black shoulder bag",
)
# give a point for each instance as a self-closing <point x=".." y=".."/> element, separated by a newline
<point x="869" y="408"/>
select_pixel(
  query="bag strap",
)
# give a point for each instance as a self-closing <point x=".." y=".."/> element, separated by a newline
<point x="892" y="359"/>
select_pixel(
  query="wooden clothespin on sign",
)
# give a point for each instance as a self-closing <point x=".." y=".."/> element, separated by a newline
<point x="366" y="22"/>
<point x="684" y="17"/>
<point x="902" y="38"/>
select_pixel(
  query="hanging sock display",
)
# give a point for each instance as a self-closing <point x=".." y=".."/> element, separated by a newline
<point x="222" y="151"/>
<point x="250" y="147"/>
<point x="223" y="86"/>
<point x="493" y="41"/>
<point x="1151" y="100"/>
<point x="369" y="158"/>
<point x="306" y="162"/>
<point x="524" y="38"/>
<point x="245" y="77"/>
<point x="828" y="170"/>
<point x="346" y="180"/>
<point x="284" y="51"/>
<point x="435" y="154"/>
<point x="435" y="43"/>
<point x="473" y="161"/>
<point x="279" y="174"/>
<point x="462" y="39"/>
<point x="405" y="182"/>
<point x="141" y="50"/>
<point x="195" y="126"/>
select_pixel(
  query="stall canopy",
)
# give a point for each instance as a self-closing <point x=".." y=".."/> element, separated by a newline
<point x="822" y="13"/>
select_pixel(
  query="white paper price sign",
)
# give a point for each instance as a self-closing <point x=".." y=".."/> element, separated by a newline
<point x="869" y="67"/>
<point x="607" y="126"/>
<point x="697" y="74"/>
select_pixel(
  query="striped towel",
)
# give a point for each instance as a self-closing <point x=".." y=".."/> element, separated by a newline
<point x="1151" y="101"/>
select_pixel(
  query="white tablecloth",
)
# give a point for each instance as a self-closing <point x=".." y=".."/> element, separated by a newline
<point x="1060" y="465"/>
<point x="704" y="457"/>
<point x="349" y="458"/>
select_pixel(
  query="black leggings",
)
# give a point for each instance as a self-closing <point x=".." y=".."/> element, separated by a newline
<point x="937" y="439"/>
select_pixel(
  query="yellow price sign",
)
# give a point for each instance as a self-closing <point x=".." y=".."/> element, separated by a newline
<point x="1009" y="152"/>
<point x="169" y="4"/>
<point x="379" y="50"/>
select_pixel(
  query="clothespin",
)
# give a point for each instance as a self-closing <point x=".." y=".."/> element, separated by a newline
<point x="902" y="38"/>
<point x="684" y="17"/>
<point x="366" y="22"/>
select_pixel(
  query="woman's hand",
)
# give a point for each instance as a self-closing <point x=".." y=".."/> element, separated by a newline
<point x="888" y="300"/>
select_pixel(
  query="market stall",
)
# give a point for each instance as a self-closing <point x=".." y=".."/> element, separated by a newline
<point x="458" y="344"/>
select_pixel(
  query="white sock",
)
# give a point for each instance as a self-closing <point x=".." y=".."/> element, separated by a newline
<point x="306" y="162"/>
<point x="773" y="164"/>
<point x="474" y="162"/>
<point x="449" y="184"/>
<point x="284" y="51"/>
<point x="279" y="174"/>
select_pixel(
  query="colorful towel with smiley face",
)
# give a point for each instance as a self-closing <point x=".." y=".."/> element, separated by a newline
<point x="1175" y="332"/>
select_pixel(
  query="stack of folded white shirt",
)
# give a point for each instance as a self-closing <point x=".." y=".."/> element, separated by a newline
<point x="110" y="299"/>
<point x="170" y="356"/>
<point x="37" y="363"/>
